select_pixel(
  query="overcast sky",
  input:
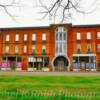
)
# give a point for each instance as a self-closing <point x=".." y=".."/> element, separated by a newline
<point x="28" y="14"/>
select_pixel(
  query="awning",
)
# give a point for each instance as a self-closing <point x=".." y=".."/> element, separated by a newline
<point x="84" y="55"/>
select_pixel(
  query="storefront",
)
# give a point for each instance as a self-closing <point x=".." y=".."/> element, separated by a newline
<point x="38" y="63"/>
<point x="84" y="62"/>
<point x="11" y="62"/>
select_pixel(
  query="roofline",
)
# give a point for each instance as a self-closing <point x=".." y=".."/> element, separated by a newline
<point x="14" y="28"/>
<point x="46" y="27"/>
<point x="87" y="26"/>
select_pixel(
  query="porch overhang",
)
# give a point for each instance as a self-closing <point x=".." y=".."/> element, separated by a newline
<point x="83" y="55"/>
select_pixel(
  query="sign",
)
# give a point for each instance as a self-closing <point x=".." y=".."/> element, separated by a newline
<point x="5" y="64"/>
<point x="18" y="64"/>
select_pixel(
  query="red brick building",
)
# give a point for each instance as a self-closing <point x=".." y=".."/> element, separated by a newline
<point x="58" y="47"/>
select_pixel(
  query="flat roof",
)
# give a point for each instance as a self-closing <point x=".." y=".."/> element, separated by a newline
<point x="34" y="27"/>
<point x="46" y="27"/>
<point x="89" y="25"/>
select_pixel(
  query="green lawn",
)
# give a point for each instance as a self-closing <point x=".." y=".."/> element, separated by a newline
<point x="19" y="87"/>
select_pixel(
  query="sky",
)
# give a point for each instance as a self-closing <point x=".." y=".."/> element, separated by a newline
<point x="28" y="14"/>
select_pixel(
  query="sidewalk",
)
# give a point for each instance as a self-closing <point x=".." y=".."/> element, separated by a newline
<point x="51" y="73"/>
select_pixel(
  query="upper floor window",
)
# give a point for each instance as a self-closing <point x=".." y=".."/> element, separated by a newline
<point x="78" y="48"/>
<point x="7" y="37"/>
<point x="78" y="36"/>
<point x="25" y="49"/>
<point x="7" y="49"/>
<point x="64" y="35"/>
<point x="25" y="37"/>
<point x="43" y="36"/>
<point x="88" y="35"/>
<point x="98" y="48"/>
<point x="88" y="48"/>
<point x="17" y="37"/>
<point x="56" y="36"/>
<point x="60" y="34"/>
<point x="43" y="49"/>
<point x="16" y="49"/>
<point x="33" y="48"/>
<point x="57" y="48"/>
<point x="98" y="35"/>
<point x="60" y="47"/>
<point x="33" y="37"/>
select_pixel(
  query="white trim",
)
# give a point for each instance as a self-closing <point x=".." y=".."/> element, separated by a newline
<point x="3" y="69"/>
<point x="45" y="69"/>
<point x="30" y="69"/>
<point x="68" y="67"/>
<point x="59" y="42"/>
<point x="18" y="69"/>
<point x="84" y="55"/>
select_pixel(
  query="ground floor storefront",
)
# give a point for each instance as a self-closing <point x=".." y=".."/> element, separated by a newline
<point x="30" y="63"/>
<point x="79" y="62"/>
<point x="84" y="62"/>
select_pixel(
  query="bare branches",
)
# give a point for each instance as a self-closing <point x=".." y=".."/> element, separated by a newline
<point x="6" y="7"/>
<point x="63" y="8"/>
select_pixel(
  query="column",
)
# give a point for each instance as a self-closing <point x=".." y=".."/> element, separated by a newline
<point x="7" y="61"/>
<point x="16" y="62"/>
<point x="78" y="62"/>
<point x="94" y="61"/>
<point x="43" y="62"/>
<point x="33" y="62"/>
<point x="89" y="62"/>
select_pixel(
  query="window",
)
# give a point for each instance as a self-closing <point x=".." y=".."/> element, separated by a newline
<point x="64" y="35"/>
<point x="33" y="48"/>
<point x="60" y="36"/>
<point x="78" y="36"/>
<point x="88" y="35"/>
<point x="43" y="49"/>
<point x="7" y="37"/>
<point x="64" y="46"/>
<point x="44" y="37"/>
<point x="25" y="37"/>
<point x="16" y="49"/>
<point x="88" y="48"/>
<point x="60" y="48"/>
<point x="33" y="37"/>
<point x="98" y="35"/>
<point x="98" y="48"/>
<point x="17" y="37"/>
<point x="25" y="49"/>
<point x="7" y="49"/>
<point x="56" y="36"/>
<point x="78" y="48"/>
<point x="57" y="48"/>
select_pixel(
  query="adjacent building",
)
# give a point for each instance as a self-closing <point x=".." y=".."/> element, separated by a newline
<point x="58" y="47"/>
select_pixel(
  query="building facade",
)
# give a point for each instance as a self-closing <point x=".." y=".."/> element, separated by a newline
<point x="58" y="47"/>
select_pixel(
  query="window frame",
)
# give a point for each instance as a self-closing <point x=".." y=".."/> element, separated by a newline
<point x="25" y="49"/>
<point x="7" y="49"/>
<point x="25" y="37"/>
<point x="98" y="35"/>
<point x="17" y="37"/>
<point x="44" y="37"/>
<point x="78" y="36"/>
<point x="34" y="37"/>
<point x="17" y="49"/>
<point x="89" y="36"/>
<point x="43" y="48"/>
<point x="7" y="37"/>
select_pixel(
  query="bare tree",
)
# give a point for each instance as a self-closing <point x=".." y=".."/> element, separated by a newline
<point x="65" y="8"/>
<point x="10" y="4"/>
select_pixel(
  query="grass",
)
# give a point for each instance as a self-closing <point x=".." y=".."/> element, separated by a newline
<point x="17" y="87"/>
